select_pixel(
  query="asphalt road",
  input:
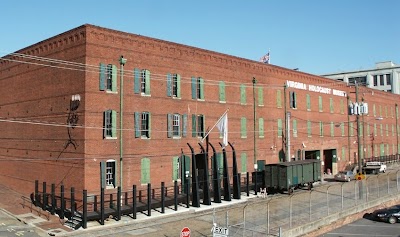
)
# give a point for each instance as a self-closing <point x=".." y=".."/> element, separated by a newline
<point x="366" y="227"/>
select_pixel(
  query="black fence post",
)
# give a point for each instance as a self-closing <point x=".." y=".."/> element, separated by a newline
<point x="119" y="203"/>
<point x="53" y="199"/>
<point x="62" y="202"/>
<point x="162" y="197"/>
<point x="72" y="202"/>
<point x="149" y="199"/>
<point x="188" y="193"/>
<point x="84" y="218"/>
<point x="111" y="201"/>
<point x="134" y="202"/>
<point x="102" y="206"/>
<point x="36" y="199"/>
<point x="247" y="184"/>
<point x="44" y="204"/>
<point x="175" y="195"/>
<point x="95" y="203"/>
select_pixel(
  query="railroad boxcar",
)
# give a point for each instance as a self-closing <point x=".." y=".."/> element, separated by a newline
<point x="287" y="176"/>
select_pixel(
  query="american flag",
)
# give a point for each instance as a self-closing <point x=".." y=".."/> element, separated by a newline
<point x="265" y="58"/>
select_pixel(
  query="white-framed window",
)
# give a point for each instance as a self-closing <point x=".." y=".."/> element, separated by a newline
<point x="142" y="124"/>
<point x="109" y="124"/>
<point x="176" y="125"/>
<point x="144" y="132"/>
<point x="110" y="174"/>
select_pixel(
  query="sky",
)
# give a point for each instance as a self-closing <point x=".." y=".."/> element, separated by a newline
<point x="315" y="36"/>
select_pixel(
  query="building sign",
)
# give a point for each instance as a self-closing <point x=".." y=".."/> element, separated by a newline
<point x="314" y="88"/>
<point x="218" y="231"/>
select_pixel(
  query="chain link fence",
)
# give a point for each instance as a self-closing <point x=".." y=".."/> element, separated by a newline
<point x="275" y="214"/>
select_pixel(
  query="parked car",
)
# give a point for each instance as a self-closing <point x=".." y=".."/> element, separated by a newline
<point x="391" y="214"/>
<point x="346" y="175"/>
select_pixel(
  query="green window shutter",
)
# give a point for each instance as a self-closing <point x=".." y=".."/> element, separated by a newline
<point x="145" y="171"/>
<point x="279" y="127"/>
<point x="260" y="96"/>
<point x="178" y="82"/>
<point x="261" y="127"/>
<point x="387" y="130"/>
<point x="332" y="129"/>
<point x="397" y="112"/>
<point x="243" y="162"/>
<point x="147" y="82"/>
<point x="380" y="110"/>
<point x="102" y="174"/>
<point x="113" y="123"/>
<point x="194" y="88"/>
<point x="386" y="111"/>
<point x="368" y="131"/>
<point x="242" y="94"/>
<point x="137" y="124"/>
<point x="374" y="109"/>
<point x="321" y="129"/>
<point x="294" y="128"/>
<point x="331" y="104"/>
<point x="136" y="81"/>
<point x="169" y="84"/>
<point x="175" y="168"/>
<point x="169" y="125"/>
<point x="201" y="88"/>
<point x="351" y="129"/>
<point x="393" y="130"/>
<point x="375" y="130"/>
<point x="222" y="91"/>
<point x="341" y="106"/>
<point x="381" y="128"/>
<point x="278" y="99"/>
<point x="102" y="79"/>
<point x="343" y="153"/>
<point x="114" y="78"/>
<point x="308" y="101"/>
<point x="184" y="125"/>
<point x="149" y="117"/>
<point x="243" y="129"/>
<point x="309" y="129"/>
<point x="320" y="103"/>
<point x="194" y="128"/>
<point x="106" y="114"/>
<point x="295" y="99"/>
<point x="342" y="127"/>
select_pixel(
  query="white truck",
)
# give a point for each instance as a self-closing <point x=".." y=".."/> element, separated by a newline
<point x="374" y="167"/>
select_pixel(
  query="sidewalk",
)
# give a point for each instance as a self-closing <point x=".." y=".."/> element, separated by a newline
<point x="13" y="204"/>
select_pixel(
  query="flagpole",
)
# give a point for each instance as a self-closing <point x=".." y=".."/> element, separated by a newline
<point x="214" y="125"/>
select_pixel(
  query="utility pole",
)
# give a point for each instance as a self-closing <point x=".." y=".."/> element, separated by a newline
<point x="254" y="124"/>
<point x="358" y="131"/>
<point x="122" y="62"/>
<point x="397" y="127"/>
<point x="287" y="158"/>
<point x="254" y="136"/>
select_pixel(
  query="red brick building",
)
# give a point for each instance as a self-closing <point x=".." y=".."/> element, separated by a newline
<point x="61" y="111"/>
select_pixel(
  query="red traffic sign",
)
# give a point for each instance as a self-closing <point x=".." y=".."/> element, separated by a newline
<point x="185" y="232"/>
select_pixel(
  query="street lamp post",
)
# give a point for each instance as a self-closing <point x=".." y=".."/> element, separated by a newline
<point x="122" y="62"/>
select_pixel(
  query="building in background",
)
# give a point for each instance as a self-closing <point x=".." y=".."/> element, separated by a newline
<point x="94" y="105"/>
<point x="384" y="77"/>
